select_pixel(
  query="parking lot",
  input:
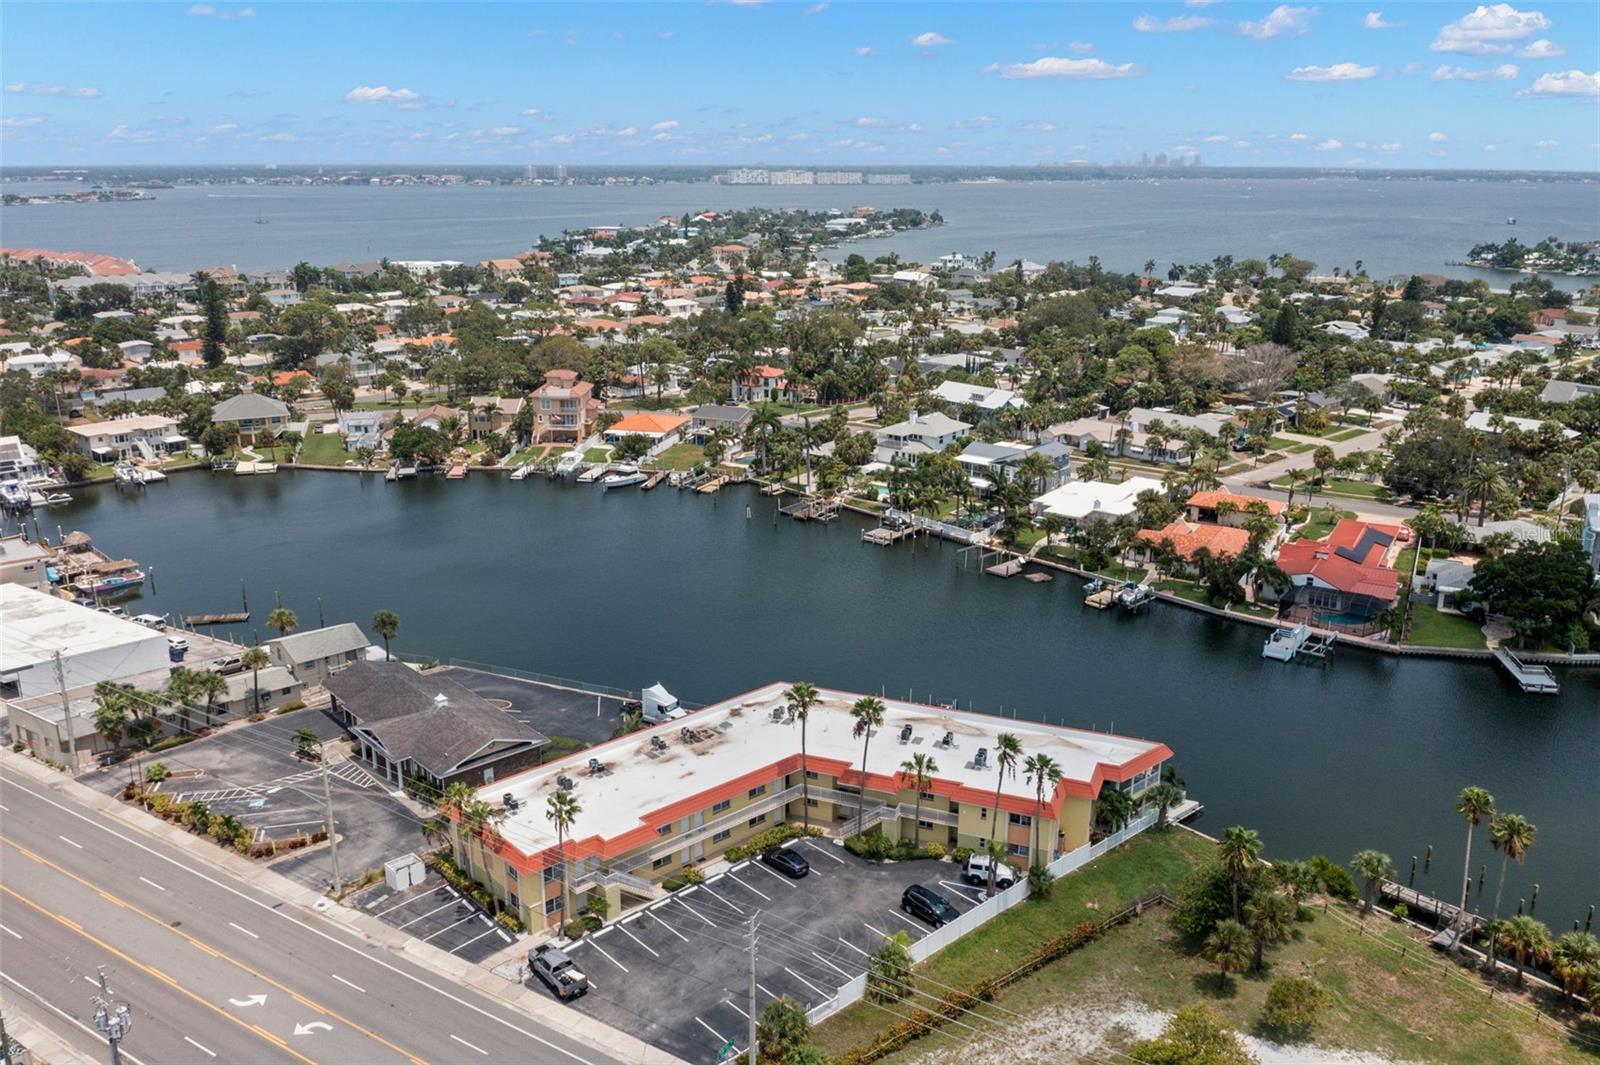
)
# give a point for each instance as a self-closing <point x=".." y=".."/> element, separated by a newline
<point x="546" y="708"/>
<point x="435" y="913"/>
<point x="676" y="974"/>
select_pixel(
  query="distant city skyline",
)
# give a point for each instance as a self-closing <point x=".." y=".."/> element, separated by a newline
<point x="806" y="85"/>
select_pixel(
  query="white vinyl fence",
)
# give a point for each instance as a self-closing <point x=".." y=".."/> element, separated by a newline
<point x="985" y="911"/>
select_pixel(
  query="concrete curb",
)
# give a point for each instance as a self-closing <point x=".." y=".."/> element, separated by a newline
<point x="41" y="1040"/>
<point x="313" y="907"/>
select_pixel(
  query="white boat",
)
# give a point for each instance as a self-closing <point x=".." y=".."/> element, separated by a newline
<point x="621" y="477"/>
<point x="56" y="499"/>
<point x="569" y="463"/>
<point x="127" y="475"/>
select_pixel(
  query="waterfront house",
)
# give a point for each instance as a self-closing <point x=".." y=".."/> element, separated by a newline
<point x="276" y="684"/>
<point x="1590" y="536"/>
<point x="257" y="417"/>
<point x="19" y="460"/>
<point x="1085" y="501"/>
<point x="981" y="460"/>
<point x="1343" y="581"/>
<point x="564" y="408"/>
<point x="491" y="415"/>
<point x="361" y="429"/>
<point x="647" y="424"/>
<point x="1229" y="508"/>
<point x="413" y="726"/>
<point x="677" y="795"/>
<point x="709" y="417"/>
<point x="1188" y="537"/>
<point x="316" y="654"/>
<point x="919" y="434"/>
<point x="147" y="436"/>
<point x="1442" y="578"/>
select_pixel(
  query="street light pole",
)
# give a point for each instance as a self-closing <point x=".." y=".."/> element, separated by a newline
<point x="333" y="842"/>
<point x="753" y="1053"/>
<point x="111" y="1019"/>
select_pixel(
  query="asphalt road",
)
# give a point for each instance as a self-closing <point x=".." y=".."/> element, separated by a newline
<point x="215" y="970"/>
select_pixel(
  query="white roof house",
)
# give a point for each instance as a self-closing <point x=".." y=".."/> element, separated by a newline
<point x="1094" y="500"/>
<point x="1484" y="422"/>
<point x="922" y="432"/>
<point x="985" y="399"/>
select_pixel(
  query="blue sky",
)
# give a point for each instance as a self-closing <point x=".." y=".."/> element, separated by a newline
<point x="1327" y="84"/>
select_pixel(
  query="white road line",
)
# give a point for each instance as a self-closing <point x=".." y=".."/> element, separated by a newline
<point x="69" y="1018"/>
<point x="808" y="983"/>
<point x="712" y="1030"/>
<point x="152" y="883"/>
<point x="825" y="852"/>
<point x="9" y="932"/>
<point x="669" y="928"/>
<point x="748" y="887"/>
<point x="5" y="809"/>
<point x="468" y="1045"/>
<point x="853" y="947"/>
<point x="881" y="933"/>
<point x="778" y="876"/>
<point x="696" y="912"/>
<point x="446" y="928"/>
<point x="203" y="1049"/>
<point x="736" y="1009"/>
<point x="764" y="988"/>
<point x="272" y="909"/>
<point x="635" y="938"/>
<point x="64" y="839"/>
<point x="347" y="983"/>
<point x="832" y="966"/>
<point x="245" y="930"/>
<point x="921" y="931"/>
<point x="91" y="981"/>
<point x="430" y="913"/>
<point x="607" y="955"/>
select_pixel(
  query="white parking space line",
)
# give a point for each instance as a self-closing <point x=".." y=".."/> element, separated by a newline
<point x="469" y="1046"/>
<point x="712" y="1030"/>
<point x="752" y="890"/>
<point x="853" y="947"/>
<point x="473" y="940"/>
<point x="785" y="881"/>
<point x="200" y="1047"/>
<point x="961" y="891"/>
<point x="764" y="988"/>
<point x="921" y="931"/>
<point x="832" y="966"/>
<point x="736" y="1009"/>
<point x="880" y="932"/>
<point x="824" y="851"/>
<point x="430" y="913"/>
<point x="726" y="902"/>
<point x="152" y="883"/>
<point x="245" y="930"/>
<point x="607" y="955"/>
<point x="446" y="928"/>
<point x="696" y="912"/>
<point x="636" y="939"/>
<point x="669" y="928"/>
<point x="347" y="983"/>
<point x="415" y="898"/>
<point x="808" y="983"/>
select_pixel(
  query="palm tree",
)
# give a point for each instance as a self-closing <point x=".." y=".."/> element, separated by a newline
<point x="255" y="659"/>
<point x="1269" y="918"/>
<point x="1484" y="483"/>
<point x="1165" y="795"/>
<point x="1373" y="867"/>
<point x="1298" y="879"/>
<point x="1239" y="849"/>
<point x="868" y="714"/>
<point x="1007" y="749"/>
<point x="801" y="697"/>
<point x="111" y="721"/>
<point x="920" y="768"/>
<point x="1473" y="805"/>
<point x="208" y="687"/>
<point x="561" y="809"/>
<point x="1229" y="945"/>
<point x="282" y="620"/>
<point x="1576" y="963"/>
<point x="1528" y="939"/>
<point x="453" y="804"/>
<point x="1511" y="835"/>
<point x="306" y="743"/>
<point x="386" y="623"/>
<point x="1041" y="771"/>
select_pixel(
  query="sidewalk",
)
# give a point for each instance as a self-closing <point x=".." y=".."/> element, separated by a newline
<point x="310" y="905"/>
<point x="41" y="1040"/>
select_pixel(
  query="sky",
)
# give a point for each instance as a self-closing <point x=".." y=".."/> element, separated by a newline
<point x="1376" y="84"/>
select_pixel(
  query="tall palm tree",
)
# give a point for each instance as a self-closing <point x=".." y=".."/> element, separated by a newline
<point x="1512" y="835"/>
<point x="386" y="623"/>
<point x="1239" y="849"/>
<point x="207" y="687"/>
<point x="920" y="768"/>
<point x="868" y="714"/>
<point x="255" y="659"/>
<point x="1527" y="939"/>
<point x="1041" y="771"/>
<point x="453" y="804"/>
<point x="1485" y="482"/>
<point x="282" y="620"/>
<point x="1165" y="795"/>
<point x="1575" y="960"/>
<point x="1474" y="804"/>
<point x="801" y="697"/>
<point x="1269" y="918"/>
<point x="1372" y="867"/>
<point x="1007" y="750"/>
<point x="561" y="809"/>
<point x="1229" y="946"/>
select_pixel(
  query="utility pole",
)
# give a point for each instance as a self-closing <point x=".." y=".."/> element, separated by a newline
<point x="333" y="841"/>
<point x="752" y="1052"/>
<point x="111" y="1020"/>
<point x="67" y="716"/>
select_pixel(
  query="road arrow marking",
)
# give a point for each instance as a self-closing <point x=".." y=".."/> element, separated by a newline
<point x="253" y="1000"/>
<point x="307" y="1029"/>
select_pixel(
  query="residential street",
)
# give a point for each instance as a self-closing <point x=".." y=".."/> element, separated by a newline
<point x="213" y="968"/>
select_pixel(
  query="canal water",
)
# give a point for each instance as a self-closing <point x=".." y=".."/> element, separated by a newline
<point x="628" y="588"/>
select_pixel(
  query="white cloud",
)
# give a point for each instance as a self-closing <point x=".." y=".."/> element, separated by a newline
<point x="627" y="131"/>
<point x="1215" y="138"/>
<point x="20" y="121"/>
<point x="1543" y="49"/>
<point x="970" y="123"/>
<point x="1079" y="47"/>
<point x="1437" y="137"/>
<point x="1038" y="127"/>
<point x="1281" y="21"/>
<point x="223" y="127"/>
<point x="1410" y="69"/>
<point x="911" y="127"/>
<point x="1329" y="145"/>
<point x="1488" y="29"/>
<point x="1299" y="137"/>
<point x="404" y="99"/>
<point x="225" y="14"/>
<point x="503" y="131"/>
<point x="665" y="126"/>
<point x="930" y="40"/>
<point x="1569" y="83"/>
<point x="278" y="138"/>
<point x="562" y="138"/>
<point x="1491" y="147"/>
<point x="1198" y="3"/>
<point x="1057" y="67"/>
<point x="1241" y="144"/>
<point x="1337" y="72"/>
<point x="864" y="50"/>
<point x="33" y="88"/>
<point x="533" y="112"/>
<point x="868" y="121"/>
<point x="1375" y="21"/>
<point x="1175" y="24"/>
<point x="1503" y="72"/>
<point x="1391" y="146"/>
<point x="1548" y="144"/>
<point x="818" y="8"/>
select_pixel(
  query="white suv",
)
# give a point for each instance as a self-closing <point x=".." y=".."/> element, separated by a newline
<point x="977" y="872"/>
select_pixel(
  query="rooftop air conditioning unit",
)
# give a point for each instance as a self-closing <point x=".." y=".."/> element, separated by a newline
<point x="510" y="802"/>
<point x="657" y="743"/>
<point x="905" y="734"/>
<point x="595" y="768"/>
<point x="982" y="758"/>
<point x="566" y="783"/>
<point x="949" y="740"/>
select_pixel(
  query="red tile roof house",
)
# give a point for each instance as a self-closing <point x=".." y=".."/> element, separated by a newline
<point x="564" y="408"/>
<point x="767" y="384"/>
<point x="1187" y="537"/>
<point x="1203" y="506"/>
<point x="1342" y="582"/>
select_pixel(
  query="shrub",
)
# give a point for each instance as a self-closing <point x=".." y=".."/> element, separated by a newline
<point x="782" y="1028"/>
<point x="683" y="878"/>
<point x="1401" y="911"/>
<point x="1293" y="1006"/>
<point x="509" y="921"/>
<point x="597" y="907"/>
<point x="574" y="929"/>
<point x="290" y="707"/>
<point x="772" y="837"/>
<point x="156" y="772"/>
<point x="1040" y="883"/>
<point x="874" y="846"/>
<point x="1336" y="879"/>
<point x="934" y="850"/>
<point x="960" y="855"/>
<point x="171" y="742"/>
<point x="889" y="970"/>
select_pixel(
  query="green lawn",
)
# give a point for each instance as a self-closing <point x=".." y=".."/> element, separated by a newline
<point x="1099" y="889"/>
<point x="1183" y="590"/>
<point x="679" y="457"/>
<point x="324" y="449"/>
<point x="1321" y="523"/>
<point x="1278" y="443"/>
<point x="597" y="454"/>
<point x="1348" y="434"/>
<point x="1430" y="628"/>
<point x="1347" y="487"/>
<point x="1301" y="449"/>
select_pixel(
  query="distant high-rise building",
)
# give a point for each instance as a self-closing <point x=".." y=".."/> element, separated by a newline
<point x="838" y="177"/>
<point x="530" y="172"/>
<point x="748" y="175"/>
<point x="793" y="177"/>
<point x="560" y="171"/>
<point x="888" y="179"/>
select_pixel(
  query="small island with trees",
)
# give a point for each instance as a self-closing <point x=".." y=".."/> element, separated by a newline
<point x="1549" y="256"/>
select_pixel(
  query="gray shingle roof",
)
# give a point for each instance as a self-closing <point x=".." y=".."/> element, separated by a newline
<point x="249" y="405"/>
<point x="321" y="643"/>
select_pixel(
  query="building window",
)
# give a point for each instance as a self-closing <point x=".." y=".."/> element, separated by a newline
<point x="924" y="824"/>
<point x="928" y="796"/>
<point x="983" y="813"/>
<point x="1020" y="850"/>
<point x="812" y="774"/>
<point x="720" y="836"/>
<point x="664" y="830"/>
<point x="512" y="903"/>
<point x="813" y="802"/>
<point x="759" y="790"/>
<point x="551" y="905"/>
<point x="759" y="819"/>
<point x="659" y="862"/>
<point x="552" y="872"/>
<point x="1026" y="820"/>
<point x="511" y="873"/>
<point x="717" y="808"/>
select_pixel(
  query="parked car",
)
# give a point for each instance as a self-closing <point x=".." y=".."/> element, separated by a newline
<point x="976" y="871"/>
<point x="559" y="972"/>
<point x="790" y="864"/>
<point x="928" y="905"/>
<point x="177" y="643"/>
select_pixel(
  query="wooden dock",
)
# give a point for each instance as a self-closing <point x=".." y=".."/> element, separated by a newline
<point x="236" y="618"/>
<point x="458" y="470"/>
<point x="713" y="485"/>
<point x="773" y="489"/>
<point x="655" y="479"/>
<point x="1444" y="913"/>
<point x="813" y="508"/>
<point x="1529" y="678"/>
<point x="885" y="535"/>
<point x="1102" y="599"/>
<point x="1009" y="568"/>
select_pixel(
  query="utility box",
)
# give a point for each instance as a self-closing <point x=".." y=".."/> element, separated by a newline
<point x="404" y="872"/>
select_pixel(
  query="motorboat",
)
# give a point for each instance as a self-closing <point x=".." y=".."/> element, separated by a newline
<point x="569" y="463"/>
<point x="622" y="477"/>
<point x="14" y="495"/>
<point x="109" y="583"/>
<point x="56" y="499"/>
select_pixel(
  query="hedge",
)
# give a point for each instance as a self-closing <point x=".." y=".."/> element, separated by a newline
<point x="772" y="837"/>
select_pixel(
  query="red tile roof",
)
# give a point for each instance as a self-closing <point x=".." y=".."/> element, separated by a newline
<point x="1209" y="500"/>
<point x="1188" y="537"/>
<point x="1349" y="559"/>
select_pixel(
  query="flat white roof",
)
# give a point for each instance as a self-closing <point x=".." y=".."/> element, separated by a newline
<point x="33" y="626"/>
<point x="1079" y="499"/>
<point x="645" y="787"/>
